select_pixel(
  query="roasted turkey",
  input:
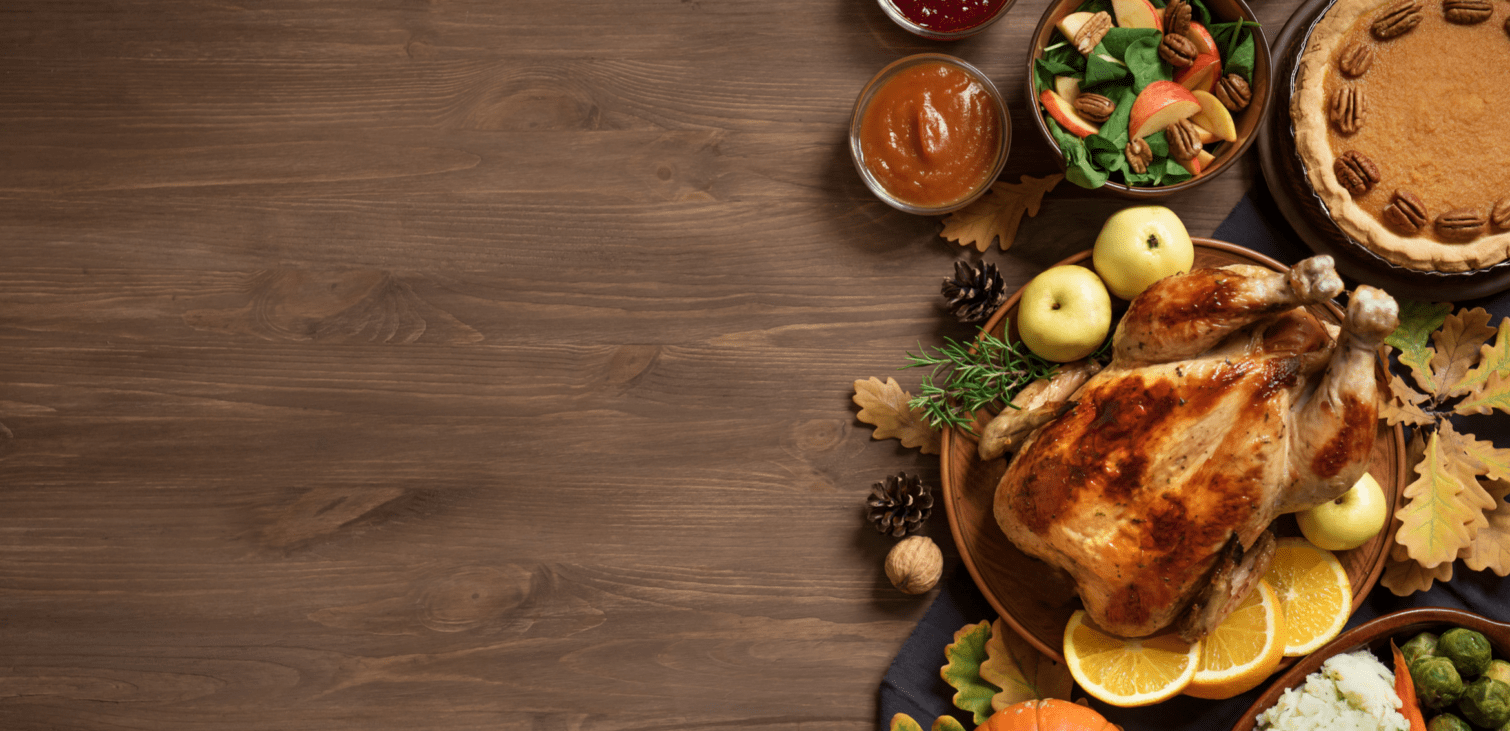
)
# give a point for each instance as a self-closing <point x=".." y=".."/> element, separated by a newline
<point x="1226" y="403"/>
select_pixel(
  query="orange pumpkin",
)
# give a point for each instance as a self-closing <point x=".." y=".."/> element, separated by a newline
<point x="1050" y="714"/>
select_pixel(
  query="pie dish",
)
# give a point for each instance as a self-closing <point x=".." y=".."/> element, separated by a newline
<point x="1400" y="123"/>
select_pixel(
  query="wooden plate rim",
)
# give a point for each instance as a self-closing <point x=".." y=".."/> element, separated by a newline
<point x="949" y="489"/>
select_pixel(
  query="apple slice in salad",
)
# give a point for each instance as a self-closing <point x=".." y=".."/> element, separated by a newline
<point x="1126" y="68"/>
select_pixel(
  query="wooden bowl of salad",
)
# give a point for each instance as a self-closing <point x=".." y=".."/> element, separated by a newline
<point x="1093" y="104"/>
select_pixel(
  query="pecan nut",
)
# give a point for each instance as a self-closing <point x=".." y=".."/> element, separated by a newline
<point x="1233" y="92"/>
<point x="1179" y="51"/>
<point x="1398" y="20"/>
<point x="1356" y="173"/>
<point x="1461" y="224"/>
<point x="1500" y="216"/>
<point x="1091" y="32"/>
<point x="1177" y="17"/>
<point x="1095" y="107"/>
<point x="1346" y="109"/>
<point x="1467" y="12"/>
<point x="1184" y="140"/>
<point x="1405" y="212"/>
<point x="1139" y="154"/>
<point x="1356" y="59"/>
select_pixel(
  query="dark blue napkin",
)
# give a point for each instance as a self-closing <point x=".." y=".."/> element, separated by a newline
<point x="912" y="684"/>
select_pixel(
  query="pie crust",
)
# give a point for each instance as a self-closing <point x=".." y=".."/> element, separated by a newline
<point x="1435" y="123"/>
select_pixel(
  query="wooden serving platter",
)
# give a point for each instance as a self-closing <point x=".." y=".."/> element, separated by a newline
<point x="1036" y="599"/>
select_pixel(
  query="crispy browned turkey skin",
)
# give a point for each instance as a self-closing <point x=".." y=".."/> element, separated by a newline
<point x="1226" y="403"/>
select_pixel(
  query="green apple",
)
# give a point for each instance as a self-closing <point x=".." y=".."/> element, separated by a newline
<point x="1140" y="245"/>
<point x="1064" y="314"/>
<point x="1349" y="521"/>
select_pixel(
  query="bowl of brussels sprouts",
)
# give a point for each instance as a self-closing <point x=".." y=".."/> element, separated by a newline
<point x="1459" y="663"/>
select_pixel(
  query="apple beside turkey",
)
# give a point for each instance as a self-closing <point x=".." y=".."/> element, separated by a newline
<point x="1140" y="245"/>
<point x="1349" y="521"/>
<point x="1064" y="314"/>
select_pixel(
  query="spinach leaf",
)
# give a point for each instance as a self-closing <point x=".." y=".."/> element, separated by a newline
<point x="1235" y="40"/>
<point x="1118" y="39"/>
<point x="1143" y="60"/>
<point x="1099" y="69"/>
<point x="1114" y="130"/>
<point x="1056" y="62"/>
<point x="1077" y="164"/>
<point x="1199" y="13"/>
<point x="1096" y="6"/>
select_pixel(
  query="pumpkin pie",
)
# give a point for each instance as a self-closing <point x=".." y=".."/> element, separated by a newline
<point x="1401" y="112"/>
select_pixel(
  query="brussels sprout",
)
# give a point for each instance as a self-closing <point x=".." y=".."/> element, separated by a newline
<point x="1486" y="702"/>
<point x="1499" y="670"/>
<point x="1419" y="646"/>
<point x="1469" y="651"/>
<point x="1437" y="682"/>
<point x="1447" y="722"/>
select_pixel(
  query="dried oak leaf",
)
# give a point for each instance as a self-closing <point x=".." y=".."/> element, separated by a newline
<point x="965" y="655"/>
<point x="1404" y="577"/>
<point x="1481" y="456"/>
<point x="1418" y="320"/>
<point x="997" y="214"/>
<point x="1490" y="548"/>
<point x="1492" y="359"/>
<point x="904" y="722"/>
<point x="1441" y="514"/>
<point x="1403" y="406"/>
<point x="1493" y="394"/>
<point x="1020" y="670"/>
<point x="1458" y="343"/>
<point x="884" y="406"/>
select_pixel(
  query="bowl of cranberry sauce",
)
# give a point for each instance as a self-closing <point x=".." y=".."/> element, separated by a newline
<point x="944" y="20"/>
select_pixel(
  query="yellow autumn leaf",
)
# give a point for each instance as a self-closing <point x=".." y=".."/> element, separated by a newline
<point x="1493" y="394"/>
<point x="1490" y="548"/>
<point x="1403" y="404"/>
<point x="1436" y="521"/>
<point x="998" y="213"/>
<point x="1481" y="456"/>
<point x="1020" y="670"/>
<point x="1492" y="359"/>
<point x="1403" y="576"/>
<point x="1463" y="333"/>
<point x="884" y="406"/>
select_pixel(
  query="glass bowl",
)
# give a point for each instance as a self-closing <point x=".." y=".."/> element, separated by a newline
<point x="893" y="10"/>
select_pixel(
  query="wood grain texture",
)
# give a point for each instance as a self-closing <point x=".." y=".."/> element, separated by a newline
<point x="433" y="364"/>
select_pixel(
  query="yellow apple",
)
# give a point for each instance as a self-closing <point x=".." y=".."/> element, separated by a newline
<point x="1349" y="521"/>
<point x="1064" y="314"/>
<point x="1140" y="245"/>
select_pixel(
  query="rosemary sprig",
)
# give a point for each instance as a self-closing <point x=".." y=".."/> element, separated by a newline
<point x="963" y="381"/>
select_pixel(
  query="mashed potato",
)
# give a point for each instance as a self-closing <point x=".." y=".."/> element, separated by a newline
<point x="1352" y="692"/>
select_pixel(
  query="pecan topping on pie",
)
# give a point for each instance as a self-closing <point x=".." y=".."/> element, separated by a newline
<point x="1462" y="224"/>
<point x="1356" y="173"/>
<point x="1179" y="51"/>
<point x="1177" y="17"/>
<point x="1356" y="58"/>
<point x="1139" y="154"/>
<point x="1346" y="109"/>
<point x="1233" y="92"/>
<point x="1397" y="20"/>
<point x="1092" y="32"/>
<point x="1095" y="107"/>
<point x="1184" y="140"/>
<point x="1405" y="212"/>
<point x="1467" y="12"/>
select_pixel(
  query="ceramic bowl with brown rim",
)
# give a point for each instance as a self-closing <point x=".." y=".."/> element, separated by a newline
<point x="1223" y="153"/>
<point x="1374" y="636"/>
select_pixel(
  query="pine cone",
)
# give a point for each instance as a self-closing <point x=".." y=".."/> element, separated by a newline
<point x="975" y="291"/>
<point x="899" y="504"/>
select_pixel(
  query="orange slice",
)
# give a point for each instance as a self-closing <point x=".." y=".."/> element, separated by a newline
<point x="1126" y="672"/>
<point x="1244" y="650"/>
<point x="1314" y="591"/>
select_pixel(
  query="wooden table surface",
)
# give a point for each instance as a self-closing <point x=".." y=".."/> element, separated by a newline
<point x="434" y="364"/>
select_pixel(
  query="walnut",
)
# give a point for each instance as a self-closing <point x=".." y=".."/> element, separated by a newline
<point x="1346" y="109"/>
<point x="1461" y="224"/>
<point x="1500" y="216"/>
<point x="1356" y="59"/>
<point x="1467" y="12"/>
<point x="1095" y="107"/>
<point x="1398" y="20"/>
<point x="1139" y="154"/>
<point x="1405" y="212"/>
<point x="1091" y="32"/>
<point x="914" y="564"/>
<point x="1356" y="173"/>
<point x="1177" y="17"/>
<point x="1184" y="140"/>
<point x="1179" y="51"/>
<point x="1233" y="92"/>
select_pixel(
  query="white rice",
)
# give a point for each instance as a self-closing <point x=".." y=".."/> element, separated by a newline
<point x="1352" y="692"/>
